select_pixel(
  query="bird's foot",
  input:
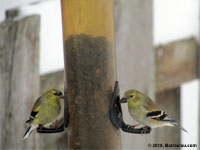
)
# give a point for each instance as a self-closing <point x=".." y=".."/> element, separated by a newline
<point x="40" y="127"/>
<point x="144" y="130"/>
<point x="132" y="126"/>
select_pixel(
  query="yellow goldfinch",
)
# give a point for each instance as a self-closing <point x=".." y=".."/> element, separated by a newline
<point x="145" y="111"/>
<point x="45" y="111"/>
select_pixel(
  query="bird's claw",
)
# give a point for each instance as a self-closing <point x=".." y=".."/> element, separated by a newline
<point x="144" y="130"/>
<point x="132" y="126"/>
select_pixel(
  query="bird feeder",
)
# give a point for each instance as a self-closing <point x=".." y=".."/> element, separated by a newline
<point x="90" y="71"/>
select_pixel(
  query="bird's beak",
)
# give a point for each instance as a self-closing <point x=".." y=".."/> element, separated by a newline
<point x="62" y="96"/>
<point x="123" y="100"/>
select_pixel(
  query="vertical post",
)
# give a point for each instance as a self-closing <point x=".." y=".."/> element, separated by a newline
<point x="169" y="100"/>
<point x="90" y="69"/>
<point x="198" y="75"/>
<point x="135" y="58"/>
<point x="19" y="79"/>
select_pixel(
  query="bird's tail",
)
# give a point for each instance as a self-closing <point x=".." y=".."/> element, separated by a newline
<point x="28" y="131"/>
<point x="177" y="125"/>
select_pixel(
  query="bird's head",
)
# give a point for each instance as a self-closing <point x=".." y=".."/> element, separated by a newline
<point x="55" y="93"/>
<point x="133" y="97"/>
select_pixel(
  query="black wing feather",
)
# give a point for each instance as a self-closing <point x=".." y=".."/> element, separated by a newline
<point x="32" y="116"/>
<point x="158" y="115"/>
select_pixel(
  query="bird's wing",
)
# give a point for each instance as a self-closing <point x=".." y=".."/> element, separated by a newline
<point x="153" y="112"/>
<point x="158" y="115"/>
<point x="34" y="111"/>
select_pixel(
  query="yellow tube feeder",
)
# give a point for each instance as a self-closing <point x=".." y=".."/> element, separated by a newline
<point x="90" y="69"/>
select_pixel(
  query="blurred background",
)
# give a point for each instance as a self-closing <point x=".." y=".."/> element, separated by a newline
<point x="157" y="48"/>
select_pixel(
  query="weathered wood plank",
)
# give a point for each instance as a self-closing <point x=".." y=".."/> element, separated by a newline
<point x="169" y="101"/>
<point x="175" y="63"/>
<point x="19" y="79"/>
<point x="135" y="58"/>
<point x="51" y="81"/>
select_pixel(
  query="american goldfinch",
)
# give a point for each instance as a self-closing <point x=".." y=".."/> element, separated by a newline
<point x="45" y="111"/>
<point x="145" y="111"/>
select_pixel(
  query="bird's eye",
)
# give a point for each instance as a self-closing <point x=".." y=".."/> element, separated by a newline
<point x="131" y="96"/>
<point x="57" y="94"/>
